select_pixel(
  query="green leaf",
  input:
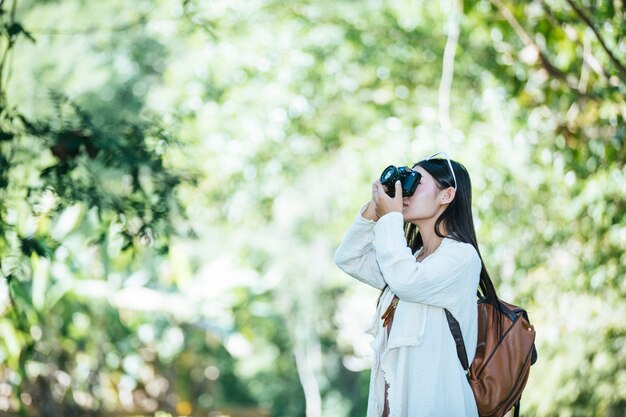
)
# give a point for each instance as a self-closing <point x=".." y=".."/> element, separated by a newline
<point x="40" y="280"/>
<point x="32" y="245"/>
<point x="6" y="136"/>
<point x="10" y="338"/>
<point x="14" y="29"/>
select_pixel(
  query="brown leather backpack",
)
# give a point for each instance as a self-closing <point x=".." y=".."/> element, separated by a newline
<point x="501" y="366"/>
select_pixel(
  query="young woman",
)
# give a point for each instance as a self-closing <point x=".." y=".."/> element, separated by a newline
<point x="421" y="251"/>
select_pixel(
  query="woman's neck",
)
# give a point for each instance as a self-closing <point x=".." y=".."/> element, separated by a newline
<point x="430" y="239"/>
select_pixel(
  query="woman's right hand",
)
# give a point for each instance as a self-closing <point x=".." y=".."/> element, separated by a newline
<point x="370" y="211"/>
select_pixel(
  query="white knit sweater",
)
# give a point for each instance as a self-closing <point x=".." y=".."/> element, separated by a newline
<point x="418" y="360"/>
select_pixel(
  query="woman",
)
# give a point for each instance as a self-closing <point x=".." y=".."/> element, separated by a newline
<point x="421" y="251"/>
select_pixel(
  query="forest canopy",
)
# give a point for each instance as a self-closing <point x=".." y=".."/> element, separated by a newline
<point x="175" y="176"/>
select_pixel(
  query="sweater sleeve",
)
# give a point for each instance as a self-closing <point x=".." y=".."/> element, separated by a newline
<point x="440" y="280"/>
<point x="356" y="255"/>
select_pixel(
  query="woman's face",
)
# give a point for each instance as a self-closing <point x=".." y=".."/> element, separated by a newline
<point x="425" y="203"/>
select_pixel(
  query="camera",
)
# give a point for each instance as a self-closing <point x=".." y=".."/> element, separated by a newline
<point x="408" y="178"/>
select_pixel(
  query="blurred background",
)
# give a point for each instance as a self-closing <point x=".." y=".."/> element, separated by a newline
<point x="176" y="175"/>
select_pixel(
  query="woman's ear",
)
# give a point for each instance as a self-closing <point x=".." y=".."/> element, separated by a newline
<point x="446" y="196"/>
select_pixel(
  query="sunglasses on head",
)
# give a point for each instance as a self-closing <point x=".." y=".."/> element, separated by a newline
<point x="445" y="156"/>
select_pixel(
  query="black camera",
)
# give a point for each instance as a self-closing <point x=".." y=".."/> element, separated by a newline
<point x="408" y="178"/>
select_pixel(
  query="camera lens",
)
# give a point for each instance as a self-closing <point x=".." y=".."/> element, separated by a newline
<point x="388" y="178"/>
<point x="388" y="174"/>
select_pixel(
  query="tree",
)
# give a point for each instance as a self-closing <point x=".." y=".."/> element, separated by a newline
<point x="283" y="114"/>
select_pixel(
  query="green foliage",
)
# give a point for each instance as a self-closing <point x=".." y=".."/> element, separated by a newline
<point x="173" y="182"/>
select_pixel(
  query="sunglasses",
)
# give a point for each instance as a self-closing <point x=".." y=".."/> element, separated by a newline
<point x="445" y="155"/>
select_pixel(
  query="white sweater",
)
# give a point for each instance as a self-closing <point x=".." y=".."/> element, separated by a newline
<point x="419" y="359"/>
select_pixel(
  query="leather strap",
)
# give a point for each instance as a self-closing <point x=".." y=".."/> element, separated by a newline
<point x="455" y="329"/>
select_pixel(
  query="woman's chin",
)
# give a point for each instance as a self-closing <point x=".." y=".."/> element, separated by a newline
<point x="408" y="215"/>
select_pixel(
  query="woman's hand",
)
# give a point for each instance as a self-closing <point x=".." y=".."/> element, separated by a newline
<point x="370" y="211"/>
<point x="384" y="203"/>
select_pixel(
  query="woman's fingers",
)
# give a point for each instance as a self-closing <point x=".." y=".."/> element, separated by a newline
<point x="386" y="204"/>
<point x="376" y="186"/>
<point x="383" y="203"/>
<point x="382" y="191"/>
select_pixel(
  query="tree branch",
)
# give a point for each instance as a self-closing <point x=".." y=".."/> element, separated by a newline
<point x="621" y="68"/>
<point x="13" y="10"/>
<point x="140" y="20"/>
<point x="307" y="353"/>
<point x="528" y="40"/>
<point x="10" y="43"/>
<point x="589" y="60"/>
<point x="447" y="73"/>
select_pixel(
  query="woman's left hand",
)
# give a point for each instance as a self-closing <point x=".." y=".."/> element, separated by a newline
<point x="386" y="204"/>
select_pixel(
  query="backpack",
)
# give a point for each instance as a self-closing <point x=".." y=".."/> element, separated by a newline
<point x="500" y="369"/>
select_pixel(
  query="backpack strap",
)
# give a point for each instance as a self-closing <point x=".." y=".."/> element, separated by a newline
<point x="455" y="329"/>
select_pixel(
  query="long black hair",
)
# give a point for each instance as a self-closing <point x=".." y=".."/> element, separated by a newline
<point x="457" y="217"/>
